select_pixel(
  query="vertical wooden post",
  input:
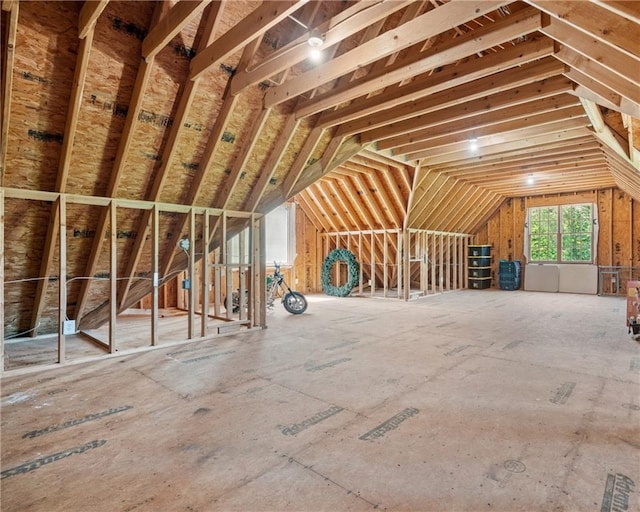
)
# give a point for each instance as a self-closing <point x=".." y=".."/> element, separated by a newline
<point x="434" y="255"/>
<point x="373" y="263"/>
<point x="226" y="262"/>
<point x="113" y="271"/>
<point x="261" y="273"/>
<point x="466" y="262"/>
<point x="361" y="262"/>
<point x="441" y="259"/>
<point x="447" y="274"/>
<point x="405" y="263"/>
<point x="155" y="236"/>
<point x="454" y="246"/>
<point x="204" y="320"/>
<point x="385" y="263"/>
<point x="192" y="263"/>
<point x="2" y="278"/>
<point x="62" y="278"/>
<point x="242" y="287"/>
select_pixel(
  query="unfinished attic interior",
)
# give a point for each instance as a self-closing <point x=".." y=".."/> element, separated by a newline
<point x="478" y="162"/>
<point x="422" y="127"/>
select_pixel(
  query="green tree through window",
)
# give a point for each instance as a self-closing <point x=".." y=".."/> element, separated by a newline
<point x="561" y="233"/>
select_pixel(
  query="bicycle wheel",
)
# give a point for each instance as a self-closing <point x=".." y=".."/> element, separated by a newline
<point x="295" y="303"/>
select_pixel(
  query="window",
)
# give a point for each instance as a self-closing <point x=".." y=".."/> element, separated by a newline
<point x="280" y="239"/>
<point x="561" y="234"/>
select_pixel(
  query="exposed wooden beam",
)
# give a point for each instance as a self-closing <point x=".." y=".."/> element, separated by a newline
<point x="599" y="73"/>
<point x="624" y="8"/>
<point x="7" y="5"/>
<point x="449" y="77"/>
<point x="9" y="58"/>
<point x="433" y="70"/>
<point x="600" y="23"/>
<point x="89" y="14"/>
<point x="497" y="131"/>
<point x="483" y="87"/>
<point x="613" y="59"/>
<point x="300" y="162"/>
<point x="585" y="141"/>
<point x="406" y="143"/>
<point x="318" y="169"/>
<point x="269" y="14"/>
<point x="186" y="97"/>
<point x="526" y="142"/>
<point x="270" y="165"/>
<point x="602" y="131"/>
<point x="428" y="25"/>
<point x="73" y="112"/>
<point x="526" y="93"/>
<point x="170" y="25"/>
<point x="346" y="23"/>
<point x="135" y="104"/>
<point x="225" y="193"/>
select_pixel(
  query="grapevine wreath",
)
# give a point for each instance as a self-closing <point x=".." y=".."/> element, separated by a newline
<point x="354" y="272"/>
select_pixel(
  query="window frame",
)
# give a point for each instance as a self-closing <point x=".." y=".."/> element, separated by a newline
<point x="291" y="235"/>
<point x="560" y="234"/>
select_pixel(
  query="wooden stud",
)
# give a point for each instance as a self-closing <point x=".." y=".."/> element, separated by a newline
<point x="91" y="10"/>
<point x="429" y="24"/>
<point x="2" y="279"/>
<point x="205" y="275"/>
<point x="191" y="274"/>
<point x="62" y="278"/>
<point x="155" y="253"/>
<point x="113" y="275"/>
<point x="9" y="58"/>
<point x="171" y="24"/>
<point x="249" y="28"/>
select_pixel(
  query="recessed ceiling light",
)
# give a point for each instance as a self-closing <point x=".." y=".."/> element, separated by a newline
<point x="315" y="41"/>
<point x="473" y="144"/>
<point x="530" y="179"/>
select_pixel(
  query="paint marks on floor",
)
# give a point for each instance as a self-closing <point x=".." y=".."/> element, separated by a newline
<point x="563" y="393"/>
<point x="617" y="491"/>
<point x="78" y="421"/>
<point x="514" y="466"/>
<point x="342" y="345"/>
<point x="16" y="398"/>
<point x="296" y="428"/>
<point x="35" y="464"/>
<point x="330" y="364"/>
<point x="632" y="407"/>
<point x="210" y="356"/>
<point x="634" y="365"/>
<point x="512" y="345"/>
<point x="391" y="424"/>
<point x="457" y="349"/>
<point x="445" y="325"/>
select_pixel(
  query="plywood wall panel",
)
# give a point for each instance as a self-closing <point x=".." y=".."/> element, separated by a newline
<point x="605" y="221"/>
<point x="619" y="233"/>
<point x="45" y="56"/>
<point x="25" y="229"/>
<point x="621" y="227"/>
<point x="111" y="73"/>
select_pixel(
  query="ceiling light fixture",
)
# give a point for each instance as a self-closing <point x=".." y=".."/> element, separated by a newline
<point x="473" y="144"/>
<point x="530" y="179"/>
<point x="315" y="41"/>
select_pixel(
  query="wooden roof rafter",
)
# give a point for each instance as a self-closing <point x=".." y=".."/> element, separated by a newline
<point x="185" y="100"/>
<point x="491" y="85"/>
<point x="135" y="104"/>
<point x="9" y="59"/>
<point x="89" y="14"/>
<point x="420" y="28"/>
<point x="178" y="16"/>
<point x="344" y="24"/>
<point x="73" y="113"/>
<point x="252" y="27"/>
<point x="417" y="63"/>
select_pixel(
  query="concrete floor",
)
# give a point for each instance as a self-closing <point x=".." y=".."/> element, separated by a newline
<point x="475" y="400"/>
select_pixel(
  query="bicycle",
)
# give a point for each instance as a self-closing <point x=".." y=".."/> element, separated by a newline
<point x="294" y="302"/>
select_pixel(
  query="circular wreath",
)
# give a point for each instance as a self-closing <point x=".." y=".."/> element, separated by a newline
<point x="354" y="272"/>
